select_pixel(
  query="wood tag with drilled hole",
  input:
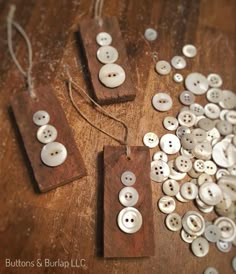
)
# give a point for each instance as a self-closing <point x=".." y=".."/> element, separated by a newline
<point x="89" y="29"/>
<point x="24" y="107"/>
<point x="116" y="242"/>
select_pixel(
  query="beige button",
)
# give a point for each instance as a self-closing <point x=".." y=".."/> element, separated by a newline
<point x="129" y="220"/>
<point x="170" y="187"/>
<point x="231" y="117"/>
<point x="173" y="222"/>
<point x="104" y="39"/>
<point x="178" y="78"/>
<point x="228" y="185"/>
<point x="189" y="191"/>
<point x="224" y="154"/>
<point x="215" y="81"/>
<point x="228" y="212"/>
<point x="150" y="140"/>
<point x="167" y="204"/>
<point x="159" y="171"/>
<point x="187" y="98"/>
<point x="170" y="143"/>
<point x="178" y="62"/>
<point x="188" y="141"/>
<point x="162" y="102"/>
<point x="187" y="238"/>
<point x="193" y="223"/>
<point x="41" y="118"/>
<point x="210" y="167"/>
<point x="46" y="134"/>
<point x="197" y="109"/>
<point x="174" y="173"/>
<point x="212" y="111"/>
<point x="210" y="193"/>
<point x="199" y="135"/>
<point x="196" y="83"/>
<point x="214" y="95"/>
<point x="204" y="178"/>
<point x="53" y="154"/>
<point x="160" y="155"/>
<point x="186" y="118"/>
<point x="193" y="173"/>
<point x="200" y="247"/>
<point x="225" y="202"/>
<point x="112" y="75"/>
<point x="189" y="51"/>
<point x="199" y="165"/>
<point x="128" y="196"/>
<point x="224" y="246"/>
<point x="180" y="198"/>
<point x="183" y="163"/>
<point x="107" y="54"/>
<point x="163" y="67"/>
<point x="128" y="178"/>
<point x="212" y="233"/>
<point x="227" y="228"/>
<point x="170" y="123"/>
<point x="228" y="99"/>
<point x="206" y="124"/>
<point x="224" y="127"/>
<point x="182" y="130"/>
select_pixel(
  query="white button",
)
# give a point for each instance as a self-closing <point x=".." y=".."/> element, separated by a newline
<point x="223" y="114"/>
<point x="200" y="203"/>
<point x="199" y="135"/>
<point x="170" y="187"/>
<point x="129" y="220"/>
<point x="187" y="98"/>
<point x="214" y="80"/>
<point x="212" y="233"/>
<point x="183" y="163"/>
<point x="163" y="67"/>
<point x="150" y="34"/>
<point x="197" y="109"/>
<point x="174" y="173"/>
<point x="212" y="111"/>
<point x="206" y="124"/>
<point x="162" y="102"/>
<point x="214" y="95"/>
<point x="128" y="178"/>
<point x="234" y="263"/>
<point x="193" y="223"/>
<point x="207" y="209"/>
<point x="107" y="54"/>
<point x="159" y="171"/>
<point x="227" y="228"/>
<point x="180" y="198"/>
<point x="189" y="191"/>
<point x="160" y="155"/>
<point x="53" y="154"/>
<point x="187" y="238"/>
<point x="204" y="178"/>
<point x="213" y="134"/>
<point x="112" y="75"/>
<point x="200" y="247"/>
<point x="225" y="202"/>
<point x="167" y="204"/>
<point x="188" y="141"/>
<point x="104" y="39"/>
<point x="224" y="154"/>
<point x="228" y="185"/>
<point x="173" y="222"/>
<point x="221" y="172"/>
<point x="211" y="270"/>
<point x="231" y="117"/>
<point x="150" y="140"/>
<point x="170" y="123"/>
<point x="210" y="167"/>
<point x="224" y="127"/>
<point x="186" y="118"/>
<point x="128" y="196"/>
<point x="199" y="165"/>
<point x="196" y="83"/>
<point x="186" y="153"/>
<point x="46" y="134"/>
<point x="182" y="130"/>
<point x="189" y="51"/>
<point x="228" y="99"/>
<point x="41" y="118"/>
<point x="178" y="62"/>
<point x="170" y="143"/>
<point x="224" y="246"/>
<point x="210" y="193"/>
<point x="178" y="78"/>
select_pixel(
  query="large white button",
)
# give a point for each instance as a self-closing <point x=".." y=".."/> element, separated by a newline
<point x="128" y="178"/>
<point x="129" y="220"/>
<point x="187" y="98"/>
<point x="46" y="134"/>
<point x="162" y="102"/>
<point x="103" y="39"/>
<point x="215" y="81"/>
<point x="150" y="34"/>
<point x="41" y="118"/>
<point x="228" y="99"/>
<point x="212" y="233"/>
<point x="173" y="222"/>
<point x="224" y="246"/>
<point x="187" y="238"/>
<point x="163" y="67"/>
<point x="227" y="229"/>
<point x="224" y="154"/>
<point x="196" y="83"/>
<point x="212" y="111"/>
<point x="107" y="54"/>
<point x="210" y="193"/>
<point x="170" y="143"/>
<point x="200" y="247"/>
<point x="170" y="123"/>
<point x="211" y="270"/>
<point x="128" y="196"/>
<point x="150" y="140"/>
<point x="53" y="154"/>
<point x="214" y="95"/>
<point x="160" y="155"/>
<point x="183" y="163"/>
<point x="193" y="223"/>
<point x="159" y="171"/>
<point x="170" y="187"/>
<point x="189" y="191"/>
<point x="186" y="118"/>
<point x="178" y="62"/>
<point x="112" y="75"/>
<point x="167" y="204"/>
<point x="189" y="51"/>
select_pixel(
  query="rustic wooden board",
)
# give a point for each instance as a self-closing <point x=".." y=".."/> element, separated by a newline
<point x="116" y="242"/>
<point x="23" y="108"/>
<point x="89" y="28"/>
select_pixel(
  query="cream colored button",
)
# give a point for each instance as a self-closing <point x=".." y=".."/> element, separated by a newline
<point x="173" y="222"/>
<point x="231" y="117"/>
<point x="150" y="34"/>
<point x="200" y="247"/>
<point x="228" y="99"/>
<point x="170" y="123"/>
<point x="224" y="127"/>
<point x="129" y="220"/>
<point x="174" y="173"/>
<point x="112" y="75"/>
<point x="170" y="143"/>
<point x="204" y="178"/>
<point x="210" y="167"/>
<point x="206" y="124"/>
<point x="221" y="172"/>
<point x="162" y="102"/>
<point x="225" y="202"/>
<point x="182" y="130"/>
<point x="128" y="196"/>
<point x="159" y="171"/>
<point x="170" y="187"/>
<point x="167" y="204"/>
<point x="199" y="135"/>
<point x="178" y="62"/>
<point x="104" y="39"/>
<point x="228" y="212"/>
<point x="41" y="118"/>
<point x="215" y="81"/>
<point x="186" y="118"/>
<point x="183" y="163"/>
<point x="211" y="270"/>
<point x="196" y="83"/>
<point x="188" y="141"/>
<point x="197" y="109"/>
<point x="189" y="191"/>
<point x="187" y="238"/>
<point x="227" y="228"/>
<point x="53" y="154"/>
<point x="163" y="67"/>
<point x="180" y="198"/>
<point x="178" y="78"/>
<point x="212" y="111"/>
<point x="107" y="54"/>
<point x="160" y="155"/>
<point x="189" y="51"/>
<point x="150" y="140"/>
<point x="224" y="246"/>
<point x="199" y="165"/>
<point x="228" y="185"/>
<point x="193" y="173"/>
<point x="224" y="154"/>
<point x="210" y="193"/>
<point x="128" y="178"/>
<point x="187" y="98"/>
<point x="46" y="134"/>
<point x="193" y="223"/>
<point x="214" y="95"/>
<point x="212" y="233"/>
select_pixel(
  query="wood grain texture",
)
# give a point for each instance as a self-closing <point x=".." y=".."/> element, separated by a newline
<point x="104" y="95"/>
<point x="24" y="108"/>
<point x="66" y="223"/>
<point x="141" y="243"/>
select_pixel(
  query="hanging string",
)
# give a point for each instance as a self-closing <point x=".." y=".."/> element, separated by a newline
<point x="98" y="9"/>
<point x="26" y="74"/>
<point x="122" y="142"/>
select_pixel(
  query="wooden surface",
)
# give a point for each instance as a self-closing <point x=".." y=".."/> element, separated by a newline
<point x="141" y="243"/>
<point x="66" y="223"/>
<point x="46" y="177"/>
<point x="89" y="47"/>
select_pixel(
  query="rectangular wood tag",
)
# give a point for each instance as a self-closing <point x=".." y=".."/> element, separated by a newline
<point x="24" y="107"/>
<point x="116" y="242"/>
<point x="89" y="29"/>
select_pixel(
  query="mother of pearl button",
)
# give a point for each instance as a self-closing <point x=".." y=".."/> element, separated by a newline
<point x="53" y="154"/>
<point x="111" y="75"/>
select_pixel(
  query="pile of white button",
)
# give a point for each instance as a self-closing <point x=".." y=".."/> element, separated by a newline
<point x="53" y="153"/>
<point x="206" y="139"/>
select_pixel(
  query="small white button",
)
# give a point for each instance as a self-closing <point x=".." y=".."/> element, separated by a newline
<point x="224" y="246"/>
<point x="189" y="191"/>
<point x="183" y="163"/>
<point x="210" y="167"/>
<point x="167" y="204"/>
<point x="53" y="154"/>
<point x="200" y="247"/>
<point x="193" y="223"/>
<point x="210" y="193"/>
<point x="128" y="178"/>
<point x="212" y="233"/>
<point x="187" y="238"/>
<point x="189" y="51"/>
<point x="163" y="67"/>
<point x="107" y="54"/>
<point x="112" y="75"/>
<point x="211" y="270"/>
<point x="196" y="83"/>
<point x="129" y="220"/>
<point x="197" y="109"/>
<point x="170" y="123"/>
<point x="182" y="130"/>
<point x="206" y="124"/>
<point x="178" y="62"/>
<point x="214" y="95"/>
<point x="150" y="34"/>
<point x="162" y="102"/>
<point x="104" y="39"/>
<point x="212" y="111"/>
<point x="186" y="118"/>
<point x="160" y="155"/>
<point x="227" y="228"/>
<point x="173" y="222"/>
<point x="46" y="134"/>
<point x="228" y="99"/>
<point x="178" y="78"/>
<point x="170" y="187"/>
<point x="214" y="80"/>
<point x="199" y="165"/>
<point x="41" y="118"/>
<point x="188" y="141"/>
<point x="128" y="196"/>
<point x="150" y="140"/>
<point x="187" y="98"/>
<point x="170" y="143"/>
<point x="159" y="171"/>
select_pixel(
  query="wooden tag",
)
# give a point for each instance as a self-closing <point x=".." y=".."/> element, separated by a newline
<point x="89" y="29"/>
<point x="24" y="108"/>
<point x="116" y="242"/>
